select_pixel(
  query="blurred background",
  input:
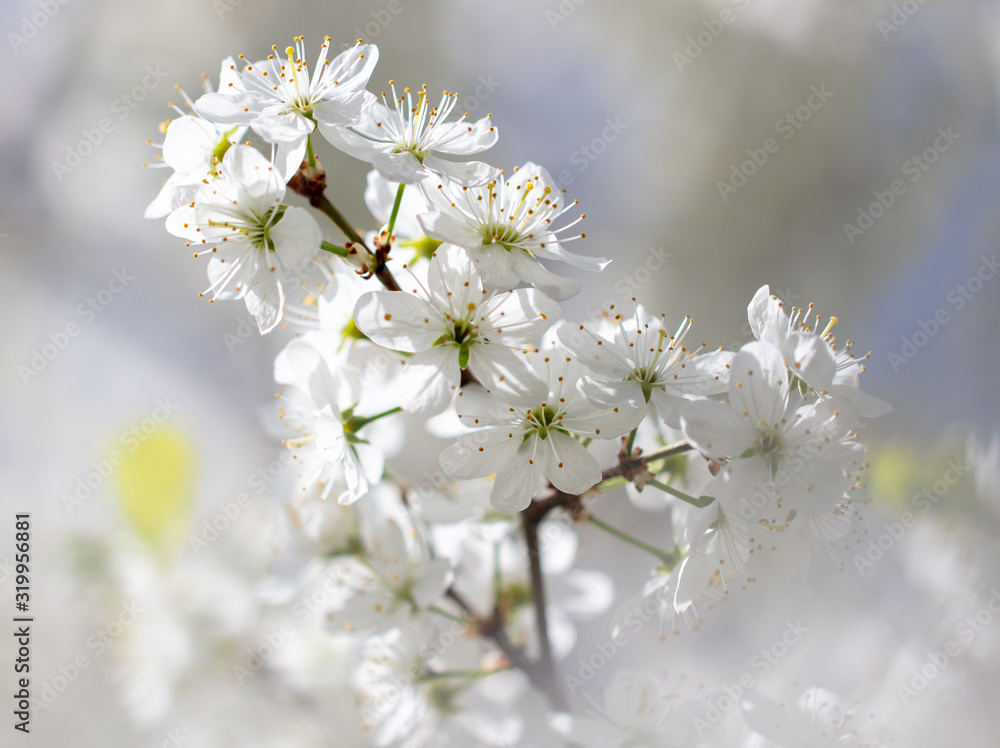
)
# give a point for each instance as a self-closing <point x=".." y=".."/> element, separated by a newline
<point x="846" y="152"/>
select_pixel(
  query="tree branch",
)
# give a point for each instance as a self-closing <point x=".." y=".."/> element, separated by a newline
<point x="545" y="666"/>
<point x="311" y="184"/>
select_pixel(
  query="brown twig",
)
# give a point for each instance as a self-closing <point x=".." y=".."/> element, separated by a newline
<point x="311" y="184"/>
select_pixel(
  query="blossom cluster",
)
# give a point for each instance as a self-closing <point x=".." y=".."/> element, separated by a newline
<point x="444" y="317"/>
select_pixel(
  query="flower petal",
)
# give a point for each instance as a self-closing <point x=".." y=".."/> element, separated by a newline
<point x="716" y="429"/>
<point x="447" y="228"/>
<point x="758" y="383"/>
<point x="296" y="237"/>
<point x="517" y="481"/>
<point x="480" y="453"/>
<point x="398" y="320"/>
<point x="463" y="173"/>
<point x="518" y="317"/>
<point x="569" y="465"/>
<point x="507" y="372"/>
<point x="430" y="380"/>
<point x="810" y="358"/>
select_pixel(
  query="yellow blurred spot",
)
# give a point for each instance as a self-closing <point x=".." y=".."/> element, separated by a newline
<point x="155" y="487"/>
<point x="894" y="472"/>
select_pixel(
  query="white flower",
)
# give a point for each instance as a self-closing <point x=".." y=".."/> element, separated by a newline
<point x="718" y="543"/>
<point x="493" y="574"/>
<point x="394" y="580"/>
<point x="332" y="444"/>
<point x="645" y="366"/>
<point x="283" y="103"/>
<point x="425" y="686"/>
<point x="326" y="314"/>
<point x="523" y="439"/>
<point x="409" y="240"/>
<point x="506" y="226"/>
<point x="639" y="711"/>
<point x="178" y="613"/>
<point x="458" y="326"/>
<point x="193" y="147"/>
<point x="809" y="354"/>
<point x="818" y="719"/>
<point x="799" y="456"/>
<point x="402" y="140"/>
<point x="240" y="217"/>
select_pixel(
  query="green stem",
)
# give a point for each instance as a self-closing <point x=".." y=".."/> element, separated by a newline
<point x="446" y="614"/>
<point x="432" y="675"/>
<point x="333" y="249"/>
<point x="361" y="422"/>
<point x="701" y="502"/>
<point x="615" y="481"/>
<point x="310" y="156"/>
<point x="334" y="215"/>
<point x="668" y="557"/>
<point x="395" y="210"/>
<point x="668" y="451"/>
<point x="631" y="441"/>
<point x="497" y="581"/>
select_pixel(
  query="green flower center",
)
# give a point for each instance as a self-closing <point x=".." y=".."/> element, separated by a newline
<point x="542" y="420"/>
<point x="223" y="145"/>
<point x="648" y="380"/>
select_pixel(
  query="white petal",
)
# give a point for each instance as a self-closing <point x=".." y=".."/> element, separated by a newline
<point x="716" y="429"/>
<point x="767" y="317"/>
<point x="286" y="127"/>
<point x="517" y="317"/>
<point x="633" y="699"/>
<point x="265" y="298"/>
<point x="357" y="479"/>
<point x="188" y="144"/>
<point x="330" y="439"/>
<point x="868" y="405"/>
<point x="296" y="237"/>
<point x="810" y="358"/>
<point x="480" y="453"/>
<point x="255" y="175"/>
<point x="445" y="227"/>
<point x="770" y="720"/>
<point x="289" y="156"/>
<point x="350" y="142"/>
<point x="554" y="286"/>
<point x="668" y="407"/>
<point x="475" y="408"/>
<point x="181" y="222"/>
<point x="602" y="423"/>
<point x="453" y="282"/>
<point x="435" y="576"/>
<point x="597" y="353"/>
<point x="296" y="362"/>
<point x="430" y="379"/>
<point x="470" y="138"/>
<point x="569" y="465"/>
<point x="399" y="167"/>
<point x="398" y="320"/>
<point x="516" y="482"/>
<point x="343" y="111"/>
<point x="506" y="372"/>
<point x="758" y="383"/>
<point x="227" y="108"/>
<point x="554" y="251"/>
<point x="465" y="173"/>
<point x="711" y="372"/>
